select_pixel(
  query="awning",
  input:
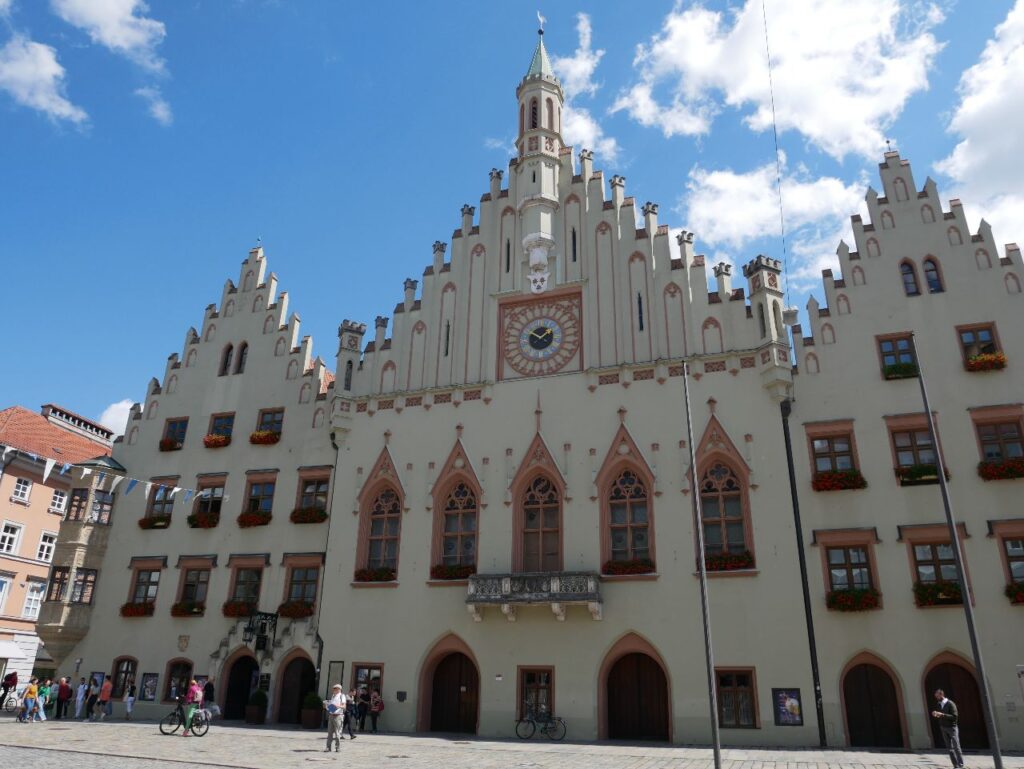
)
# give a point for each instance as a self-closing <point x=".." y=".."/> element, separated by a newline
<point x="11" y="651"/>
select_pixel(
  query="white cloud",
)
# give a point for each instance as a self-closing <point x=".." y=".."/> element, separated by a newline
<point x="988" y="162"/>
<point x="842" y="70"/>
<point x="5" y="7"/>
<point x="579" y="126"/>
<point x="31" y="74"/>
<point x="115" y="416"/>
<point x="159" y="109"/>
<point x="118" y="25"/>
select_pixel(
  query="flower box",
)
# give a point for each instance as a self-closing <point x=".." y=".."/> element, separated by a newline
<point x="309" y="515"/>
<point x="188" y="609"/>
<point x="155" y="522"/>
<point x="441" y="571"/>
<point x="840" y="480"/>
<point x="632" y="566"/>
<point x="900" y="371"/>
<point x="143" y="609"/>
<point x="203" y="520"/>
<point x="729" y="561"/>
<point x="265" y="437"/>
<point x="1015" y="592"/>
<point x="216" y="441"/>
<point x="248" y="520"/>
<point x="941" y="593"/>
<point x="1001" y="469"/>
<point x="296" y="609"/>
<point x="382" y="574"/>
<point x="169" y="444"/>
<point x="855" y="599"/>
<point x="239" y="608"/>
<point x="918" y="475"/>
<point x="990" y="361"/>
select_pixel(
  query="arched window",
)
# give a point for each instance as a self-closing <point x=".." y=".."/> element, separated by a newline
<point x="123" y="675"/>
<point x="932" y="277"/>
<point x="190" y="359"/>
<point x="211" y="332"/>
<point x="760" y="320"/>
<point x="627" y="506"/>
<point x="385" y="526"/>
<point x="243" y="354"/>
<point x="983" y="260"/>
<point x="268" y="324"/>
<point x="927" y="214"/>
<point x="534" y="117"/>
<point x="508" y="255"/>
<point x="172" y="384"/>
<point x="458" y="545"/>
<point x="1012" y="283"/>
<point x="900" y="188"/>
<point x="447" y="336"/>
<point x="640" y="311"/>
<point x="858" y="276"/>
<point x="955" y="238"/>
<point x="721" y="496"/>
<point x="542" y="519"/>
<point x="909" y="279"/>
<point x="574" y="244"/>
<point x="229" y="309"/>
<point x="133" y="436"/>
<point x="888" y="222"/>
<point x="225" y="360"/>
<point x="348" y="375"/>
<point x="873" y="249"/>
<point x="811" y="363"/>
<point x="780" y="326"/>
<point x="179" y="673"/>
<point x="828" y="334"/>
<point x="292" y="371"/>
<point x="843" y="304"/>
<point x="247" y="283"/>
<point x="280" y="347"/>
<point x="551" y="114"/>
<point x="305" y="392"/>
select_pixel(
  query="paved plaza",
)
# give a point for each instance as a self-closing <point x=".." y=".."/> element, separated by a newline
<point x="141" y="746"/>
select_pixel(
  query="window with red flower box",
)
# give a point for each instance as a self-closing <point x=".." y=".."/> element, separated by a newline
<point x="980" y="348"/>
<point x="849" y="569"/>
<point x="833" y="451"/>
<point x="174" y="434"/>
<point x="1000" y="441"/>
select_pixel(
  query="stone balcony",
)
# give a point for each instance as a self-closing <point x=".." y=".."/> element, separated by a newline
<point x="557" y="589"/>
<point x="61" y="626"/>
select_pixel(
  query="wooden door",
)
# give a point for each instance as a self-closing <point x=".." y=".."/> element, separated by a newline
<point x="455" y="695"/>
<point x="637" y="696"/>
<point x="239" y="685"/>
<point x="872" y="708"/>
<point x="960" y="686"/>
<point x="298" y="680"/>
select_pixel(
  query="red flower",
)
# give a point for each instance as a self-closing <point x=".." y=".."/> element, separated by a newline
<point x="729" y="561"/>
<point x="203" y="520"/>
<point x="1001" y="469"/>
<point x="239" y="608"/>
<point x="169" y="444"/>
<point x="839" y="480"/>
<point x="265" y="437"/>
<point x="296" y="609"/>
<point x="862" y="599"/>
<point x="188" y="609"/>
<point x="143" y="609"/>
<point x="248" y="520"/>
<point x="216" y="441"/>
<point x="633" y="566"/>
<point x="991" y="361"/>
<point x="308" y="515"/>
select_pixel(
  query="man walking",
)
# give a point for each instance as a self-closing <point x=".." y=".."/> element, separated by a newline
<point x="103" y="707"/>
<point x="949" y="724"/>
<point x="83" y="689"/>
<point x="63" y="698"/>
<point x="10" y="684"/>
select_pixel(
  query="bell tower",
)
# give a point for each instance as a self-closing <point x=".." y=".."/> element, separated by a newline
<point x="539" y="143"/>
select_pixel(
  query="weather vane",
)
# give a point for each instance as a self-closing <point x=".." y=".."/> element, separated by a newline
<point x="542" y="21"/>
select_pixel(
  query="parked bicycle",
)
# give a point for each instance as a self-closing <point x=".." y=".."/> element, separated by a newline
<point x="552" y="727"/>
<point x="176" y="719"/>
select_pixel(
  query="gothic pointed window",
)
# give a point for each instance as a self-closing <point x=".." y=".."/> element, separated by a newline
<point x="542" y="514"/>
<point x="348" y="375"/>
<point x="534" y="117"/>
<point x="551" y="114"/>
<point x="385" y="526"/>
<point x="458" y="546"/>
<point x="225" y="360"/>
<point x="909" y="275"/>
<point x="574" y="244"/>
<point x="640" y="312"/>
<point x="447" y="336"/>
<point x="722" y="513"/>
<point x="243" y="354"/>
<point x="932" y="277"/>
<point x="508" y="255"/>
<point x="628" y="518"/>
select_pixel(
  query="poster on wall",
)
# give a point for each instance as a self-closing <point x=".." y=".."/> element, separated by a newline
<point x="147" y="693"/>
<point x="97" y="678"/>
<point x="787" y="707"/>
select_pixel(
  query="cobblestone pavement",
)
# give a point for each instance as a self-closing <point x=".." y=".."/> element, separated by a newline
<point x="141" y="746"/>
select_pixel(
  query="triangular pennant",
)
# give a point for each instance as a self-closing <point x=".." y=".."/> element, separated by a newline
<point x="8" y="450"/>
<point x="65" y="469"/>
<point x="132" y="483"/>
<point x="188" y="495"/>
<point x="100" y="476"/>
<point x="148" y="486"/>
<point x="174" y="491"/>
<point x="48" y="467"/>
<point x="85" y="471"/>
<point x="115" y="480"/>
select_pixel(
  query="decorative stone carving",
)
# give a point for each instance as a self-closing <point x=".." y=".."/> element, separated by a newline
<point x="555" y="589"/>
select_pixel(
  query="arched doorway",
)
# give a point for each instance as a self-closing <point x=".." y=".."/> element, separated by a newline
<point x="239" y="686"/>
<point x="297" y="680"/>
<point x="872" y="708"/>
<point x="455" y="695"/>
<point x="960" y="686"/>
<point x="637" y="697"/>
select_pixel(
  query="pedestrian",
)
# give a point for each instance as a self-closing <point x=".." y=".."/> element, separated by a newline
<point x="335" y="708"/>
<point x="42" y="698"/>
<point x="352" y="708"/>
<point x="63" y="698"/>
<point x="104" y="707"/>
<point x="9" y="685"/>
<point x="949" y="724"/>
<point x="129" y="699"/>
<point x="193" y="700"/>
<point x="80" y="695"/>
<point x="363" y="707"/>
<point x="28" y="698"/>
<point x="376" y="708"/>
<point x="91" y="697"/>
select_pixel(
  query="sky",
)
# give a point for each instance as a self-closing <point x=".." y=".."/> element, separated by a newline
<point x="145" y="147"/>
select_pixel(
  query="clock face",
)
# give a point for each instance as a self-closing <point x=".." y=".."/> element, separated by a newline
<point x="541" y="336"/>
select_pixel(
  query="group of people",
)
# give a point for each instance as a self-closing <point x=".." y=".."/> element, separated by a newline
<point x="42" y="698"/>
<point x="344" y="709"/>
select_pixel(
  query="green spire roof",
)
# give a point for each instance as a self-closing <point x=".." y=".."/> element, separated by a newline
<point x="540" y="64"/>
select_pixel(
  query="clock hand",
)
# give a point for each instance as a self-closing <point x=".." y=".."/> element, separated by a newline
<point x="540" y="333"/>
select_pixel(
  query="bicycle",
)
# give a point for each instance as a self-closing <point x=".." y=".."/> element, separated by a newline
<point x="552" y="727"/>
<point x="176" y="719"/>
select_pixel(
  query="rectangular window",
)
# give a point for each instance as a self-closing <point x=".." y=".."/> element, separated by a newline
<point x="222" y="424"/>
<point x="147" y="582"/>
<point x="848" y="568"/>
<point x="59" y="578"/>
<point x="978" y="340"/>
<point x="1014" y="549"/>
<point x="302" y="584"/>
<point x="913" y="447"/>
<point x="195" y="586"/>
<point x="536" y="690"/>
<point x="82" y="589"/>
<point x="175" y="429"/>
<point x="896" y="354"/>
<point x="22" y="490"/>
<point x="102" y="506"/>
<point x="159" y="501"/>
<point x="210" y="499"/>
<point x="46" y="543"/>
<point x="935" y="563"/>
<point x="833" y="453"/>
<point x="78" y="504"/>
<point x="271" y="419"/>
<point x="1000" y="440"/>
<point x="10" y="537"/>
<point x="313" y="494"/>
<point x="370" y="676"/>
<point x="247" y="585"/>
<point x="59" y="501"/>
<point x="33" y="600"/>
<point x="736" y="701"/>
<point x="261" y="497"/>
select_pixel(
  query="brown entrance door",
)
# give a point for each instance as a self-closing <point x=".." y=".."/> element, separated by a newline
<point x="959" y="685"/>
<point x="872" y="708"/>
<point x="240" y="684"/>
<point x="455" y="695"/>
<point x="298" y="680"/>
<point x="637" y="699"/>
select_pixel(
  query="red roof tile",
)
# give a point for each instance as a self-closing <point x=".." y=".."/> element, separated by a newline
<point x="35" y="434"/>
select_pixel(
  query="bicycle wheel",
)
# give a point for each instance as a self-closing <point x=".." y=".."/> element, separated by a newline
<point x="525" y="728"/>
<point x="555" y="730"/>
<point x="170" y="723"/>
<point x="200" y="724"/>
<point x="11" y="705"/>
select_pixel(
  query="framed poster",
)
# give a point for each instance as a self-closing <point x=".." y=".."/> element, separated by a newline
<point x="147" y="692"/>
<point x="787" y="707"/>
<point x="97" y="678"/>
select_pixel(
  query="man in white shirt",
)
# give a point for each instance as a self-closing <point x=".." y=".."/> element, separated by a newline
<point x="336" y="707"/>
<point x="83" y="687"/>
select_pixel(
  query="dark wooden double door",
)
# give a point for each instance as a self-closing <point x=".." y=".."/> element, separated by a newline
<point x="239" y="685"/>
<point x="298" y="680"/>
<point x="959" y="684"/>
<point x="455" y="696"/>
<point x="637" y="697"/>
<point x="872" y="708"/>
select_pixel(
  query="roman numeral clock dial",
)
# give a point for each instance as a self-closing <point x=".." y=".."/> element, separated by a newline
<point x="542" y="336"/>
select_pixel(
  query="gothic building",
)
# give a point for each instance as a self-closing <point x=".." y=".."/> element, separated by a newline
<point x="490" y="509"/>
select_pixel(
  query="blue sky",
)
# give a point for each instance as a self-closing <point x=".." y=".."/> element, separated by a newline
<point x="145" y="147"/>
